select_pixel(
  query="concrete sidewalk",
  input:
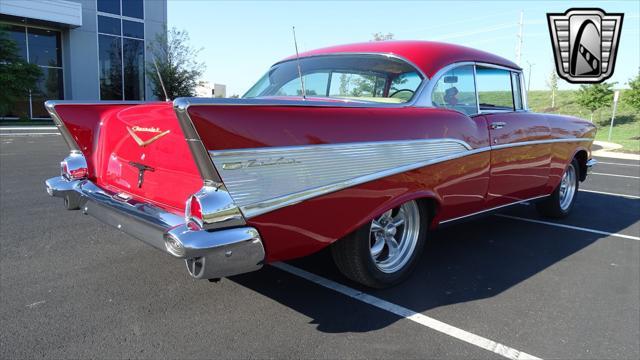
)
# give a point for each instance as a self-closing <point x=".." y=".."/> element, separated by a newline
<point x="606" y="150"/>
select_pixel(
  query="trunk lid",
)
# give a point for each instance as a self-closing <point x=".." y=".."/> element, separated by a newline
<point x="138" y="150"/>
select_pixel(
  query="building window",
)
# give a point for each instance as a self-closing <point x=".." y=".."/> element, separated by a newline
<point x="121" y="49"/>
<point x="43" y="48"/>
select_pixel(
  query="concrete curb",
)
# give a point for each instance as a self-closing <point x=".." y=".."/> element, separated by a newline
<point x="607" y="145"/>
<point x="616" y="155"/>
<point x="606" y="151"/>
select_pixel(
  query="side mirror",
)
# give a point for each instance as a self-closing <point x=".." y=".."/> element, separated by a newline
<point x="450" y="79"/>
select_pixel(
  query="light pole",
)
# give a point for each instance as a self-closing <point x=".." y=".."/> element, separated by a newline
<point x="616" y="95"/>
<point x="529" y="80"/>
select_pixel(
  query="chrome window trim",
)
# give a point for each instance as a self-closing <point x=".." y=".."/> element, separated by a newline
<point x="424" y="100"/>
<point x="387" y="55"/>
<point x="414" y="99"/>
<point x="475" y="88"/>
<point x="510" y="70"/>
<point x="425" y="96"/>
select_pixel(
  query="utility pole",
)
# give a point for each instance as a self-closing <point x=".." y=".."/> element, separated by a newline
<point x="529" y="81"/>
<point x="520" y="38"/>
<point x="616" y="95"/>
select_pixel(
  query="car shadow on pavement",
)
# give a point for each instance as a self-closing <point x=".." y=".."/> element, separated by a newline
<point x="463" y="262"/>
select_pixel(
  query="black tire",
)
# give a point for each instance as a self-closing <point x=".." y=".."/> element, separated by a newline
<point x="353" y="257"/>
<point x="552" y="206"/>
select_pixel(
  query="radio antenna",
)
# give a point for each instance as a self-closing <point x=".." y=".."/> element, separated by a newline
<point x="164" y="90"/>
<point x="295" y="42"/>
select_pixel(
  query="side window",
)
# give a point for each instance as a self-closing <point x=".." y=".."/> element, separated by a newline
<point x="517" y="90"/>
<point x="494" y="89"/>
<point x="456" y="90"/>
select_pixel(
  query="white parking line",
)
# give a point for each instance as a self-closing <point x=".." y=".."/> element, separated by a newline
<point x="616" y="175"/>
<point x="570" y="227"/>
<point x="612" y="194"/>
<point x="408" y="314"/>
<point x="619" y="164"/>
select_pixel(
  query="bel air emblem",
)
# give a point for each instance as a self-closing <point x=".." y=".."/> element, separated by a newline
<point x="585" y="44"/>
<point x="258" y="163"/>
<point x="133" y="130"/>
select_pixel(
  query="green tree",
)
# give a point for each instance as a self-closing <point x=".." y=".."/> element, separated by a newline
<point x="594" y="97"/>
<point x="382" y="37"/>
<point x="632" y="96"/>
<point x="17" y="77"/>
<point x="177" y="64"/>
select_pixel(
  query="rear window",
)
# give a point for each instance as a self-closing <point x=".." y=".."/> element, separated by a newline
<point x="375" y="78"/>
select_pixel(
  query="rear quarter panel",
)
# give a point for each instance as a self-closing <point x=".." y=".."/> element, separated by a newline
<point x="563" y="127"/>
<point x="457" y="186"/>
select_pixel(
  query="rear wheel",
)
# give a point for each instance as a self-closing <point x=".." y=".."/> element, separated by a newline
<point x="561" y="201"/>
<point x="384" y="251"/>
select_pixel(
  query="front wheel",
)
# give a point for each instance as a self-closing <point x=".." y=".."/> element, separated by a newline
<point x="561" y="201"/>
<point x="384" y="251"/>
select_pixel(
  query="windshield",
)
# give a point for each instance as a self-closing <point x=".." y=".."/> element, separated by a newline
<point x="377" y="78"/>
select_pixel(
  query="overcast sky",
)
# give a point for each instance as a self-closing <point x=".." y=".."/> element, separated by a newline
<point x="241" y="39"/>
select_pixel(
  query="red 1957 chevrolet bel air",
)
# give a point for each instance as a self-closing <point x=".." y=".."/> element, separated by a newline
<point x="388" y="140"/>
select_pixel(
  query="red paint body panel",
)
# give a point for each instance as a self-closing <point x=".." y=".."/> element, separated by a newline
<point x="459" y="186"/>
<point x="239" y="127"/>
<point x="302" y="229"/>
<point x="101" y="132"/>
<point x="522" y="172"/>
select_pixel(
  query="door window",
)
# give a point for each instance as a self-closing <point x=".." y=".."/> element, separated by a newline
<point x="456" y="90"/>
<point x="494" y="89"/>
<point x="517" y="91"/>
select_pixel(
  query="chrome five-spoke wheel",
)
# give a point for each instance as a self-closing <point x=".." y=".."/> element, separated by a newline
<point x="383" y="252"/>
<point x="567" y="187"/>
<point x="560" y="202"/>
<point x="393" y="237"/>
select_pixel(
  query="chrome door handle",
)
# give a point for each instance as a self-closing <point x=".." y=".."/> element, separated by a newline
<point x="497" y="125"/>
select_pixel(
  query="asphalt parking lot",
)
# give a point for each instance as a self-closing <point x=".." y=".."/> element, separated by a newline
<point x="511" y="284"/>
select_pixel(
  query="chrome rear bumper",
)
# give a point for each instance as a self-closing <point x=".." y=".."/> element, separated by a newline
<point x="208" y="254"/>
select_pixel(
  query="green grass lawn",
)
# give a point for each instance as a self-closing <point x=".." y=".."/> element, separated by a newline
<point x="626" y="129"/>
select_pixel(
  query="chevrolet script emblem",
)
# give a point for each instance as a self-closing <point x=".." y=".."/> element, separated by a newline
<point x="143" y="143"/>
<point x="585" y="43"/>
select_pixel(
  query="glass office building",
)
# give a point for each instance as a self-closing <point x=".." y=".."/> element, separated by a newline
<point x="86" y="49"/>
